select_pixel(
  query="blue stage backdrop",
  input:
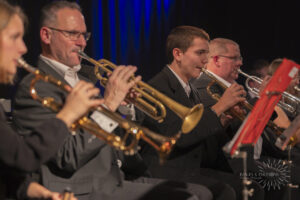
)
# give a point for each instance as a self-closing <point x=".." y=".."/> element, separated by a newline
<point x="130" y="32"/>
<point x="134" y="31"/>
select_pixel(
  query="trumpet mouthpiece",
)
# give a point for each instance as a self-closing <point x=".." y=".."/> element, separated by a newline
<point x="82" y="54"/>
<point x="20" y="61"/>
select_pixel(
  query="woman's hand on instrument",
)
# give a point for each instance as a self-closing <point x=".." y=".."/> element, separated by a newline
<point x="78" y="102"/>
<point x="282" y="119"/>
<point x="119" y="84"/>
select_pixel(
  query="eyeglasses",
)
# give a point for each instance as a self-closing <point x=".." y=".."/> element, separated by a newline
<point x="234" y="58"/>
<point x="73" y="35"/>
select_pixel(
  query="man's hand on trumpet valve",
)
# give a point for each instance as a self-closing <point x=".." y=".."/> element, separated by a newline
<point x="227" y="117"/>
<point x="132" y="94"/>
<point x="118" y="85"/>
<point x="231" y="97"/>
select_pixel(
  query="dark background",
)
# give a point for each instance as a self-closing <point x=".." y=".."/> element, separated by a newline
<point x="134" y="31"/>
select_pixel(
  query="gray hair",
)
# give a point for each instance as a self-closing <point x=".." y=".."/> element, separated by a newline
<point x="48" y="12"/>
<point x="219" y="46"/>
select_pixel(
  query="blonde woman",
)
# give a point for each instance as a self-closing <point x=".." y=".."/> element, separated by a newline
<point x="28" y="153"/>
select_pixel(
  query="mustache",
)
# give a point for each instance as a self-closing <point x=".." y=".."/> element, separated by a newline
<point x="235" y="71"/>
<point x="76" y="50"/>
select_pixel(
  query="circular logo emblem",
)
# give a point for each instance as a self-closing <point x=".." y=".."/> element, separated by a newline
<point x="273" y="174"/>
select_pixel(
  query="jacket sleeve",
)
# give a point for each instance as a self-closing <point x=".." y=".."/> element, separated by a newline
<point x="208" y="125"/>
<point x="28" y="114"/>
<point x="29" y="152"/>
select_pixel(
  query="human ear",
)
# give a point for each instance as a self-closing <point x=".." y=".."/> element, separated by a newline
<point x="177" y="53"/>
<point x="45" y="35"/>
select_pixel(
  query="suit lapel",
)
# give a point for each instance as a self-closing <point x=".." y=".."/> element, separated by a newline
<point x="177" y="89"/>
<point x="44" y="67"/>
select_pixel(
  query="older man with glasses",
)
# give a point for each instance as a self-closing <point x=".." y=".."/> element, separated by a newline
<point x="224" y="61"/>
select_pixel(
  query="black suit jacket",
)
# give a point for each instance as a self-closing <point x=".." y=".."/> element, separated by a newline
<point x="192" y="150"/>
<point x="19" y="153"/>
<point x="28" y="153"/>
<point x="84" y="162"/>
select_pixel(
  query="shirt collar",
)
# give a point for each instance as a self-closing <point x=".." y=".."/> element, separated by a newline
<point x="186" y="86"/>
<point x="60" y="68"/>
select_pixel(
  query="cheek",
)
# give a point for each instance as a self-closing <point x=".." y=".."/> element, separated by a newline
<point x="8" y="60"/>
<point x="9" y="66"/>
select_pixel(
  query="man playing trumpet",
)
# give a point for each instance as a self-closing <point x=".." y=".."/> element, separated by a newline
<point x="88" y="165"/>
<point x="187" y="49"/>
<point x="224" y="63"/>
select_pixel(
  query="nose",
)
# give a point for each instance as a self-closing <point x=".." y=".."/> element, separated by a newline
<point x="22" y="48"/>
<point x="205" y="59"/>
<point x="81" y="41"/>
<point x="239" y="63"/>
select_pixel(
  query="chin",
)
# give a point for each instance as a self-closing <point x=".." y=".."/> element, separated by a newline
<point x="196" y="75"/>
<point x="74" y="63"/>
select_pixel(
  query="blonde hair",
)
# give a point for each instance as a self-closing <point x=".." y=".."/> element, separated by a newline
<point x="7" y="11"/>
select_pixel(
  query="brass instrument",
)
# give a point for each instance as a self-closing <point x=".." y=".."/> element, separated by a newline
<point x="290" y="108"/>
<point x="277" y="130"/>
<point x="148" y="95"/>
<point x="161" y="143"/>
<point x="67" y="194"/>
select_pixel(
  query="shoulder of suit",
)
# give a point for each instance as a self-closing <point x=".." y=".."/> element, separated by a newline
<point x="87" y="71"/>
<point x="201" y="82"/>
<point x="159" y="77"/>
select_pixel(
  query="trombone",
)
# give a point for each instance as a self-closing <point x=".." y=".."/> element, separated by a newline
<point x="295" y="100"/>
<point x="161" y="143"/>
<point x="148" y="95"/>
<point x="277" y="130"/>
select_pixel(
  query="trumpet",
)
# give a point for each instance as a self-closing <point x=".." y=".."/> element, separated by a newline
<point x="151" y="101"/>
<point x="277" y="130"/>
<point x="127" y="144"/>
<point x="295" y="100"/>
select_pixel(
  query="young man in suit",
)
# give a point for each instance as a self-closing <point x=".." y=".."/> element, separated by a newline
<point x="86" y="164"/>
<point x="187" y="50"/>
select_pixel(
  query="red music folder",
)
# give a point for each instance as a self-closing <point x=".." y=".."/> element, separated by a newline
<point x="254" y="124"/>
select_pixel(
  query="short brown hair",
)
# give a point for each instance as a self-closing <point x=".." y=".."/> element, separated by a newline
<point x="182" y="37"/>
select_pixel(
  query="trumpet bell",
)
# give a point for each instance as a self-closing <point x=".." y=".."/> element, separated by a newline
<point x="192" y="118"/>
